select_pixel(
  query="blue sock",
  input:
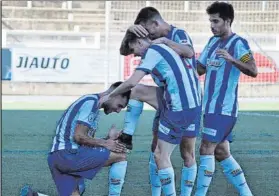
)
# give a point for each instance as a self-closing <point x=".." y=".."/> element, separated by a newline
<point x="188" y="176"/>
<point x="205" y="173"/>
<point x="235" y="176"/>
<point x="134" y="109"/>
<point x="167" y="181"/>
<point x="117" y="174"/>
<point x="153" y="176"/>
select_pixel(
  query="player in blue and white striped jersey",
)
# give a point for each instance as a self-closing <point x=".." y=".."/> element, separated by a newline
<point x="150" y="23"/>
<point x="76" y="155"/>
<point x="181" y="101"/>
<point x="224" y="57"/>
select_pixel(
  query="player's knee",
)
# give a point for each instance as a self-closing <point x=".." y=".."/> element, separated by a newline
<point x="121" y="157"/>
<point x="188" y="155"/>
<point x="207" y="148"/>
<point x="158" y="155"/>
<point x="154" y="142"/>
<point x="221" y="154"/>
<point x="188" y="158"/>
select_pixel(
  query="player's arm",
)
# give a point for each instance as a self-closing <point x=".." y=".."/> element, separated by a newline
<point x="83" y="125"/>
<point x="151" y="59"/>
<point x="82" y="138"/>
<point x="182" y="44"/>
<point x="200" y="68"/>
<point x="128" y="84"/>
<point x="249" y="67"/>
<point x="184" y="50"/>
<point x="242" y="59"/>
<point x="201" y="61"/>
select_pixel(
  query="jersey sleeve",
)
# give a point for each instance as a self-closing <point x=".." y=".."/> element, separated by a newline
<point x="203" y="56"/>
<point x="149" y="61"/>
<point x="87" y="113"/>
<point x="182" y="37"/>
<point x="242" y="51"/>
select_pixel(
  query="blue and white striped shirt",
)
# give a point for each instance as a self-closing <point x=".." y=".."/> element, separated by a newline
<point x="221" y="82"/>
<point x="83" y="111"/>
<point x="169" y="71"/>
<point x="180" y="36"/>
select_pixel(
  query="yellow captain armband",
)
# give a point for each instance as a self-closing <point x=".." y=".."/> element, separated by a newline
<point x="245" y="58"/>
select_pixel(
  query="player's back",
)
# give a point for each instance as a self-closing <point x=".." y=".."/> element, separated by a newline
<point x="170" y="71"/>
<point x="84" y="111"/>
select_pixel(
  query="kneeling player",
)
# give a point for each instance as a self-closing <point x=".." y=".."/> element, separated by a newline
<point x="76" y="155"/>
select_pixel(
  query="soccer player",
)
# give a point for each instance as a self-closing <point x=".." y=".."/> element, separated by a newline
<point x="76" y="155"/>
<point x="150" y="23"/>
<point x="178" y="91"/>
<point x="224" y="57"/>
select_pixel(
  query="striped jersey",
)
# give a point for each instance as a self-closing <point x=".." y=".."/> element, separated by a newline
<point x="180" y="36"/>
<point x="221" y="82"/>
<point x="83" y="111"/>
<point x="169" y="71"/>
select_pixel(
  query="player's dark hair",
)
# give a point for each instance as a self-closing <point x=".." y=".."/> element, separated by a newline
<point x="126" y="94"/>
<point x="225" y="10"/>
<point x="146" y="14"/>
<point x="125" y="48"/>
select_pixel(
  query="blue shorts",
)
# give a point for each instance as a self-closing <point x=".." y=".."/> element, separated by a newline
<point x="70" y="167"/>
<point x="191" y="131"/>
<point x="171" y="126"/>
<point x="218" y="128"/>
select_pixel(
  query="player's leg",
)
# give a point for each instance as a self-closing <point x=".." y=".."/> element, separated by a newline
<point x="65" y="184"/>
<point x="171" y="127"/>
<point x="189" y="170"/>
<point x="231" y="168"/>
<point x="117" y="172"/>
<point x="162" y="154"/>
<point x="206" y="168"/>
<point x="214" y="132"/>
<point x="187" y="150"/>
<point x="153" y="169"/>
<point x="140" y="93"/>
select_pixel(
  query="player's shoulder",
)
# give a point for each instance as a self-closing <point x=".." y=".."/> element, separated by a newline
<point x="180" y="30"/>
<point x="155" y="51"/>
<point x="212" y="40"/>
<point x="88" y="99"/>
<point x="155" y="48"/>
<point x="241" y="39"/>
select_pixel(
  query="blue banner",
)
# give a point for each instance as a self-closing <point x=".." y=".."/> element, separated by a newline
<point x="6" y="64"/>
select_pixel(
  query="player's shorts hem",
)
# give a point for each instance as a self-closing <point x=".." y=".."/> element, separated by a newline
<point x="218" y="128"/>
<point x="169" y="138"/>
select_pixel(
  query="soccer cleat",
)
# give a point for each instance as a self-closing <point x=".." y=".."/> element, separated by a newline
<point x="127" y="140"/>
<point x="27" y="191"/>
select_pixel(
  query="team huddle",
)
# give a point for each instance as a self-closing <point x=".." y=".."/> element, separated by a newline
<point x="167" y="54"/>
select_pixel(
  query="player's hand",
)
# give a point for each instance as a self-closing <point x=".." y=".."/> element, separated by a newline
<point x="161" y="40"/>
<point x="224" y="54"/>
<point x="138" y="30"/>
<point x="114" y="133"/>
<point x="105" y="98"/>
<point x="115" y="146"/>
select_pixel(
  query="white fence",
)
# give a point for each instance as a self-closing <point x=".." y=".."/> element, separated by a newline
<point x="99" y="26"/>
